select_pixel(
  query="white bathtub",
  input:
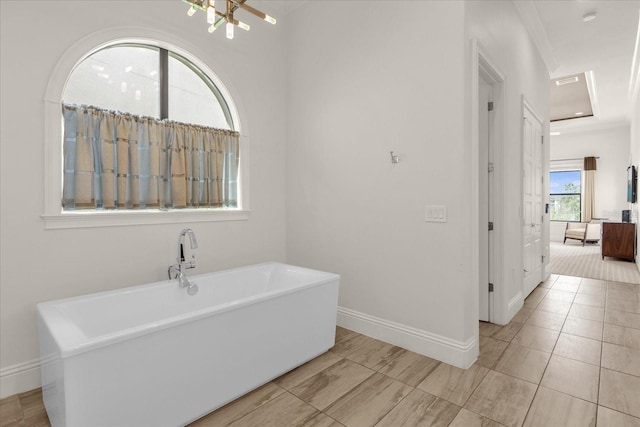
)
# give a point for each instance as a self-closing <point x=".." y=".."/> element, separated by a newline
<point x="152" y="355"/>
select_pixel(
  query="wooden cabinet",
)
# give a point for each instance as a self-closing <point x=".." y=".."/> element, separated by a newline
<point x="619" y="240"/>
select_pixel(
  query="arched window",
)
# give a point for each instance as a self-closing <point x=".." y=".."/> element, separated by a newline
<point x="148" y="81"/>
<point x="145" y="128"/>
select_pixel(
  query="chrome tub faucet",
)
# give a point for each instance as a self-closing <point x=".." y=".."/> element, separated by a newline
<point x="178" y="271"/>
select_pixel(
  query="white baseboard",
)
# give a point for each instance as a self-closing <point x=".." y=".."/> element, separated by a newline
<point x="516" y="303"/>
<point x="19" y="378"/>
<point x="456" y="353"/>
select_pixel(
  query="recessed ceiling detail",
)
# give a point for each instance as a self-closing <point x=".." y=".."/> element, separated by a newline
<point x="570" y="98"/>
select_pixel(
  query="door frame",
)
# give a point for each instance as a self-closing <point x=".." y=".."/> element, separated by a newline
<point x="482" y="63"/>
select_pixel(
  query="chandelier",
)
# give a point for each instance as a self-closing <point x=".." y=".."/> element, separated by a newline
<point x="216" y="17"/>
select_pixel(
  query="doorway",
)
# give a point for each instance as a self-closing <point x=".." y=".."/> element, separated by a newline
<point x="488" y="175"/>
<point x="485" y="192"/>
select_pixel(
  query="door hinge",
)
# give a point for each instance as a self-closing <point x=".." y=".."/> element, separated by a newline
<point x="491" y="167"/>
<point x="490" y="106"/>
<point x="542" y="259"/>
<point x="490" y="287"/>
<point x="490" y="225"/>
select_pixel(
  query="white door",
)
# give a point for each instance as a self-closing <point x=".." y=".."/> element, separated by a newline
<point x="485" y="97"/>
<point x="532" y="208"/>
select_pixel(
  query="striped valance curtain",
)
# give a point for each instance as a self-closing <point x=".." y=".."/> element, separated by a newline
<point x="589" y="190"/>
<point x="121" y="161"/>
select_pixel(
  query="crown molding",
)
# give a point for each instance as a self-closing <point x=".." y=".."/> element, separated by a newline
<point x="533" y="24"/>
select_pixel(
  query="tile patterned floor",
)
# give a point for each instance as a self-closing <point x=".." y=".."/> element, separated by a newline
<point x="570" y="357"/>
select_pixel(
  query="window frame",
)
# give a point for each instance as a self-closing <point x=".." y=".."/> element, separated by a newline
<point x="567" y="194"/>
<point x="54" y="216"/>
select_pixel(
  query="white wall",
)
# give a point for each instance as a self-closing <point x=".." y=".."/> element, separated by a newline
<point x="38" y="264"/>
<point x="358" y="90"/>
<point x="612" y="146"/>
<point x="635" y="139"/>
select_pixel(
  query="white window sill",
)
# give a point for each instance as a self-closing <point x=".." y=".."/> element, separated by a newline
<point x="92" y="219"/>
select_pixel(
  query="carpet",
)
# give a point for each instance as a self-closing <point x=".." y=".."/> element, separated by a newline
<point x="573" y="259"/>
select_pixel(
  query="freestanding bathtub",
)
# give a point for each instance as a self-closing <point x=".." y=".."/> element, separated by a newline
<point x="152" y="355"/>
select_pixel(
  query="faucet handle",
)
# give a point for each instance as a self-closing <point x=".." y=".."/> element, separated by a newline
<point x="174" y="270"/>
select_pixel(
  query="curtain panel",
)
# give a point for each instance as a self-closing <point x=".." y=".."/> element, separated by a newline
<point x="589" y="202"/>
<point x="120" y="161"/>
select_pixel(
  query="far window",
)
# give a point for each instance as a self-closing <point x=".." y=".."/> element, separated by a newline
<point x="565" y="195"/>
<point x="145" y="128"/>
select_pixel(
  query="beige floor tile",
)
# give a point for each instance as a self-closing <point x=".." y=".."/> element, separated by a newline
<point x="409" y="367"/>
<point x="453" y="384"/>
<point x="374" y="354"/>
<point x="621" y="318"/>
<point x="560" y="295"/>
<point x="572" y="377"/>
<point x="554" y="306"/>
<point x="309" y="369"/>
<point x="620" y="392"/>
<point x="522" y="315"/>
<point x="537" y="338"/>
<point x="600" y="292"/>
<point x="569" y="279"/>
<point x="623" y="286"/>
<point x="240" y="407"/>
<point x="420" y="409"/>
<point x="547" y="284"/>
<point x="586" y="312"/>
<point x="565" y="286"/>
<point x="631" y="306"/>
<point x="349" y="343"/>
<point x="327" y="386"/>
<point x="466" y="418"/>
<point x="595" y="283"/>
<point x="610" y="418"/>
<point x="10" y="410"/>
<point x="524" y="363"/>
<point x="622" y="294"/>
<point x="535" y="297"/>
<point x="502" y="398"/>
<point x="488" y="329"/>
<point x="499" y="332"/>
<point x="544" y="319"/>
<point x="583" y="328"/>
<point x="552" y="408"/>
<point x="592" y="300"/>
<point x="369" y="402"/>
<point x="321" y="420"/>
<point x="621" y="335"/>
<point x="33" y="410"/>
<point x="621" y="359"/>
<point x="284" y="410"/>
<point x="490" y="351"/>
<point x="578" y="348"/>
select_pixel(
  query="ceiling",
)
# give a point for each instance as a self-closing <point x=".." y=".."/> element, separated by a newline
<point x="604" y="46"/>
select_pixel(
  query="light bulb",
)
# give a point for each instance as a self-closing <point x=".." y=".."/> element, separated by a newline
<point x="229" y="30"/>
<point x="211" y="15"/>
<point x="270" y="19"/>
<point x="212" y="28"/>
<point x="244" y="26"/>
<point x="191" y="11"/>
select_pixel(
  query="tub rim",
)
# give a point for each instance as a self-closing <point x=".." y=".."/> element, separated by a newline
<point x="71" y="341"/>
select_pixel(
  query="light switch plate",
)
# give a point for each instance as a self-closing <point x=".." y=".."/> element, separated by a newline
<point x="433" y="213"/>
